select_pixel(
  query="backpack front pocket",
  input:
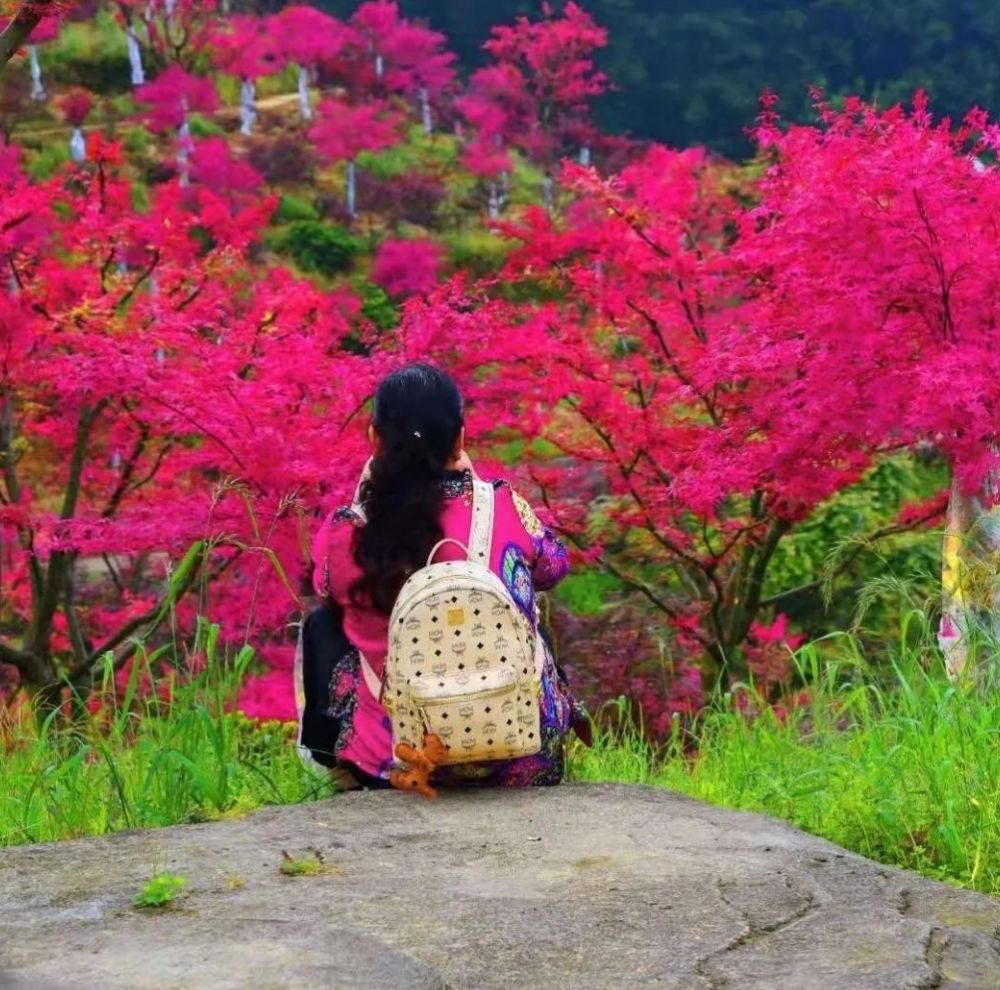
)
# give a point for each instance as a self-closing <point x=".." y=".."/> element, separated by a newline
<point x="487" y="716"/>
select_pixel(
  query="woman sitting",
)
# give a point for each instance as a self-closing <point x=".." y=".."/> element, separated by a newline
<point x="417" y="491"/>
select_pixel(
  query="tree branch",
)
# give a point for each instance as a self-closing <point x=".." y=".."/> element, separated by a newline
<point x="19" y="30"/>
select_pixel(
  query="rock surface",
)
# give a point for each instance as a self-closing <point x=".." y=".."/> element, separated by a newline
<point x="583" y="887"/>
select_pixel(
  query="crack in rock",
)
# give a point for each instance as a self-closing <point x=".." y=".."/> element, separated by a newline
<point x="934" y="950"/>
<point x="752" y="932"/>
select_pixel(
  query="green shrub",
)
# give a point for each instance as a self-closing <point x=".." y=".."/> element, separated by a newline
<point x="390" y="163"/>
<point x="588" y="592"/>
<point x="204" y="127"/>
<point x="140" y="196"/>
<point x="292" y="208"/>
<point x="89" y="53"/>
<point x="43" y="163"/>
<point x="320" y="247"/>
<point x="122" y="105"/>
<point x="479" y="251"/>
<point x="376" y="304"/>
<point x="136" y="141"/>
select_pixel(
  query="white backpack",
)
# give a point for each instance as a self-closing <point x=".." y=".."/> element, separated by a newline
<point x="464" y="661"/>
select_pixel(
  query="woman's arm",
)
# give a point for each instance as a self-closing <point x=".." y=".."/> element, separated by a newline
<point x="550" y="563"/>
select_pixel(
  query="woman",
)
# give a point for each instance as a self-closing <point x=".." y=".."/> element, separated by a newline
<point x="416" y="491"/>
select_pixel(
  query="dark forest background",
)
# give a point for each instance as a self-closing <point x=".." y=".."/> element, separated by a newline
<point x="690" y="71"/>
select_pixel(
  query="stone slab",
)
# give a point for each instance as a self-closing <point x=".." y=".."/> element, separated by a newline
<point x="582" y="887"/>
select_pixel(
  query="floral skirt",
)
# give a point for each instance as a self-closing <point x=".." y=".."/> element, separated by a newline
<point x="350" y="728"/>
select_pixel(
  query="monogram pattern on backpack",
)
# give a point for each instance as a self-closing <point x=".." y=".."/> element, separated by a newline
<point x="464" y="661"/>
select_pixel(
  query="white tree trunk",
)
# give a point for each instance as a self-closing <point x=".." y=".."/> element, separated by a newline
<point x="134" y="56"/>
<point x="970" y="585"/>
<point x="305" y="110"/>
<point x="504" y="189"/>
<point x="248" y="106"/>
<point x="425" y="111"/>
<point x="493" y="206"/>
<point x="549" y="193"/>
<point x="184" y="144"/>
<point x="77" y="146"/>
<point x="352" y="189"/>
<point x="585" y="155"/>
<point x="37" y="89"/>
<point x="379" y="67"/>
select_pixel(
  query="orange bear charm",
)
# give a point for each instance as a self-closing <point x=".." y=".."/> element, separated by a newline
<point x="422" y="764"/>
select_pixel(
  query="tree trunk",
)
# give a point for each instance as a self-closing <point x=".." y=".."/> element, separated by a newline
<point x="77" y="146"/>
<point x="305" y="110"/>
<point x="37" y="89"/>
<point x="248" y="106"/>
<point x="352" y="189"/>
<point x="184" y="144"/>
<point x="134" y="55"/>
<point x="425" y="111"/>
<point x="970" y="585"/>
<point x="549" y="193"/>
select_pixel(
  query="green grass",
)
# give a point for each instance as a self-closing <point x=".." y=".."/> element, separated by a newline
<point x="888" y="759"/>
<point x="891" y="761"/>
<point x="138" y="762"/>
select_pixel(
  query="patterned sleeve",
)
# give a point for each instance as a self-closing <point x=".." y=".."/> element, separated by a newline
<point x="551" y="561"/>
<point x="334" y="524"/>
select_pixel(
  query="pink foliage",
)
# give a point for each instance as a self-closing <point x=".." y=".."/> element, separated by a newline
<point x="769" y="649"/>
<point x="305" y="35"/>
<point x="268" y="696"/>
<point x="194" y="365"/>
<point x="850" y="292"/>
<point x="10" y="161"/>
<point x="47" y="29"/>
<point x="76" y="105"/>
<point x="245" y="46"/>
<point x="180" y="32"/>
<point x="536" y="94"/>
<point x="407" y="268"/>
<point x="172" y="95"/>
<point x="343" y="131"/>
<point x="214" y="166"/>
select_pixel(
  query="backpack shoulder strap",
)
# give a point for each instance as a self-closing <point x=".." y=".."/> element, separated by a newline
<point x="481" y="532"/>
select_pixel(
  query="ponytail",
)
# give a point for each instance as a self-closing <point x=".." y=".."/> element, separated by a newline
<point x="418" y="419"/>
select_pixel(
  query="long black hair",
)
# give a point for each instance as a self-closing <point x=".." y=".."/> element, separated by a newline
<point x="418" y="418"/>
